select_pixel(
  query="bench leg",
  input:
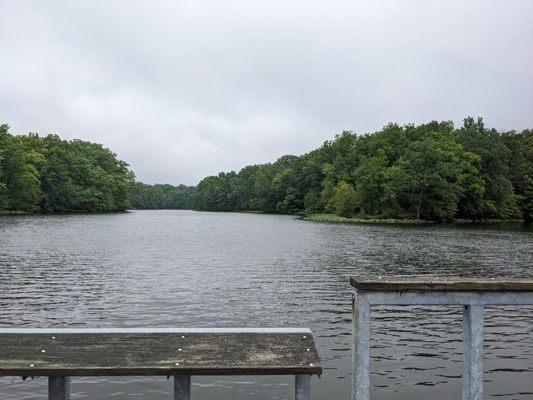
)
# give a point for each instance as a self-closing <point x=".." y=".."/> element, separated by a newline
<point x="58" y="388"/>
<point x="473" y="353"/>
<point x="361" y="349"/>
<point x="182" y="387"/>
<point x="302" y="387"/>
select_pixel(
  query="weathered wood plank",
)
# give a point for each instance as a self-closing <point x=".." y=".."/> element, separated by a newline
<point x="428" y="283"/>
<point x="186" y="353"/>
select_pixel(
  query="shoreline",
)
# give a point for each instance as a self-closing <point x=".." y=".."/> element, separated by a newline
<point x="318" y="217"/>
<point x="71" y="212"/>
<point x="336" y="219"/>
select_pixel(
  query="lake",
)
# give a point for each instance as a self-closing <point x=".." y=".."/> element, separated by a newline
<point x="194" y="269"/>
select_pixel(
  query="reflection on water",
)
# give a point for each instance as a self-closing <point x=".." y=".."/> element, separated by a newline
<point x="184" y="268"/>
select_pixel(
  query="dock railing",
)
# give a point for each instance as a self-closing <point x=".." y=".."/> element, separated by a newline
<point x="472" y="294"/>
<point x="62" y="353"/>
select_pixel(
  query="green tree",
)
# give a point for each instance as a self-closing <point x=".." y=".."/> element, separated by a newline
<point x="345" y="199"/>
<point x="431" y="177"/>
<point x="4" y="137"/>
<point x="521" y="169"/>
<point x="430" y="171"/>
<point x="499" y="200"/>
<point x="50" y="174"/>
<point x="371" y="179"/>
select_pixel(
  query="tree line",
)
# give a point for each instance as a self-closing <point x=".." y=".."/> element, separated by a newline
<point x="430" y="171"/>
<point x="47" y="174"/>
<point x="161" y="196"/>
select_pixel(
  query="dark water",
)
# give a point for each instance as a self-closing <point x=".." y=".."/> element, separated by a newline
<point x="190" y="269"/>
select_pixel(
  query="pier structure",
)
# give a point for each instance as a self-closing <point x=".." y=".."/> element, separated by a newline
<point x="472" y="294"/>
<point x="60" y="354"/>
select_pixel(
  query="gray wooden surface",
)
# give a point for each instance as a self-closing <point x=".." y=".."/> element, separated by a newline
<point x="430" y="283"/>
<point x="91" y="354"/>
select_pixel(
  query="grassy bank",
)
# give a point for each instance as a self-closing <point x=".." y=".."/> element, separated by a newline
<point x="332" y="218"/>
<point x="3" y="212"/>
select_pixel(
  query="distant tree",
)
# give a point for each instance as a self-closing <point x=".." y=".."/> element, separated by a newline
<point x="498" y="200"/>
<point x="22" y="164"/>
<point x="345" y="199"/>
<point x="371" y="177"/>
<point x="4" y="137"/>
<point x="50" y="174"/>
<point x="430" y="179"/>
<point x="429" y="171"/>
<point x="521" y="169"/>
<point x="312" y="201"/>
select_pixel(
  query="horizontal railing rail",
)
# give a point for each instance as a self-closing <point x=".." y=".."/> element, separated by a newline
<point x="473" y="294"/>
<point x="61" y="354"/>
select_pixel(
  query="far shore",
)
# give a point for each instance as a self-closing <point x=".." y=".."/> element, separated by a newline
<point x="318" y="217"/>
<point x="333" y="218"/>
<point x="336" y="219"/>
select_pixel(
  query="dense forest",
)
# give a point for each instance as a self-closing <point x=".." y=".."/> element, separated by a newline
<point x="45" y="174"/>
<point x="430" y="171"/>
<point x="160" y="196"/>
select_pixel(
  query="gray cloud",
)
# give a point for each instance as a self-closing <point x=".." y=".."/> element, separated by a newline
<point x="184" y="89"/>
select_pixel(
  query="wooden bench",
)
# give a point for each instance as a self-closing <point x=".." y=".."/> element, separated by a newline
<point x="63" y="353"/>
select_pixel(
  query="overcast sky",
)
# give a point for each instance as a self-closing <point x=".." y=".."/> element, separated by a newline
<point x="183" y="89"/>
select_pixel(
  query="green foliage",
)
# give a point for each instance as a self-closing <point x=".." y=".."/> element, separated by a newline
<point x="155" y="197"/>
<point x="50" y="174"/>
<point x="521" y="169"/>
<point x="431" y="178"/>
<point x="430" y="171"/>
<point x="498" y="200"/>
<point x="4" y="199"/>
<point x="344" y="199"/>
<point x="333" y="218"/>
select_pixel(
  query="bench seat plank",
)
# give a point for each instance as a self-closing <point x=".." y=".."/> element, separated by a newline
<point x="428" y="283"/>
<point x="134" y="352"/>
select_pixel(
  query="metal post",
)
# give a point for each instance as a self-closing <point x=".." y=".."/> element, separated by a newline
<point x="361" y="349"/>
<point x="473" y="352"/>
<point x="58" y="388"/>
<point x="182" y="387"/>
<point x="302" y="387"/>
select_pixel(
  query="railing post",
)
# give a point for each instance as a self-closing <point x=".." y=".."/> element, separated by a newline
<point x="58" y="388"/>
<point x="361" y="348"/>
<point x="302" y="387"/>
<point x="473" y="352"/>
<point x="182" y="387"/>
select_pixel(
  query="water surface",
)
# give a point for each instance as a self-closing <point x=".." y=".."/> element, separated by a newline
<point x="193" y="269"/>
